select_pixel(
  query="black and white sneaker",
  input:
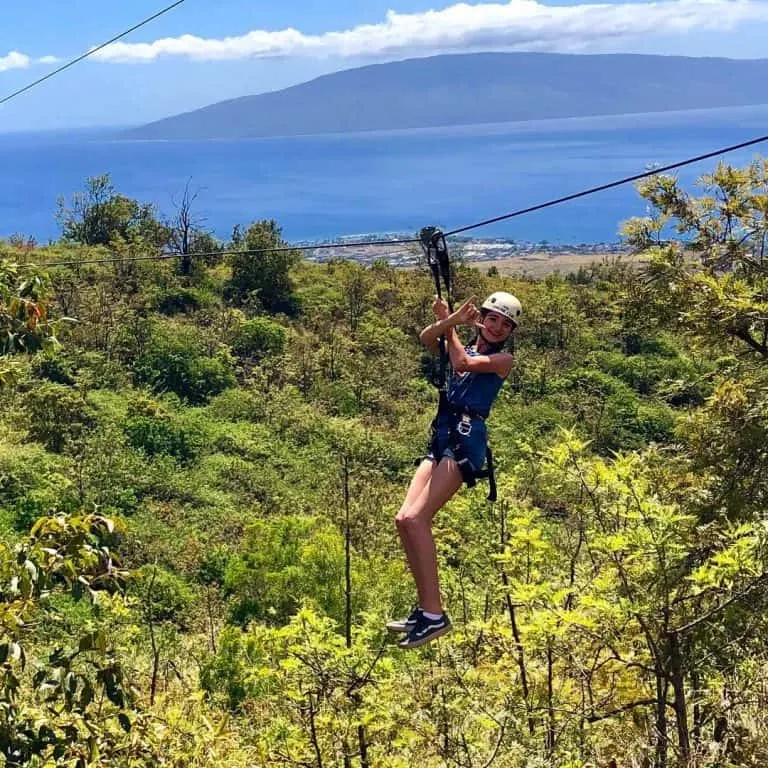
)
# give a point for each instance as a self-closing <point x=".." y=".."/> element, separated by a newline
<point x="426" y="630"/>
<point x="407" y="624"/>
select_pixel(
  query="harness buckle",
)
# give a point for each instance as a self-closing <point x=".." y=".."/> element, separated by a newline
<point x="464" y="427"/>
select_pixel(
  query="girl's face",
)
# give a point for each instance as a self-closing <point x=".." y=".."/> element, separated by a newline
<point x="497" y="327"/>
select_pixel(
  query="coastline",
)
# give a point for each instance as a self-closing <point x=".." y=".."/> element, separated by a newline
<point x="506" y="255"/>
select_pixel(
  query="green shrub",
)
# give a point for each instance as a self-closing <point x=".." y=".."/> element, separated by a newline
<point x="229" y="671"/>
<point x="32" y="485"/>
<point x="158" y="435"/>
<point x="238" y="405"/>
<point x="163" y="595"/>
<point x="591" y="381"/>
<point x="213" y="566"/>
<point x="59" y="417"/>
<point x="54" y="367"/>
<point x="172" y="364"/>
<point x="646" y="373"/>
<point x="258" y="338"/>
<point x="174" y="301"/>
<point x="283" y="562"/>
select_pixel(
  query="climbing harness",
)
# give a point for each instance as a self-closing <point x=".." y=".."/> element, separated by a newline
<point x="460" y="418"/>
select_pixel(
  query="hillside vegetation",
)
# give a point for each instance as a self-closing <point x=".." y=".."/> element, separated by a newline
<point x="201" y="459"/>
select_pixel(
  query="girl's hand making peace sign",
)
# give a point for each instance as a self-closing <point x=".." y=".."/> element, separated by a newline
<point x="468" y="314"/>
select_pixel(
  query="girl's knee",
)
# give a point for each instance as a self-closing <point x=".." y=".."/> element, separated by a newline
<point x="400" y="518"/>
<point x="406" y="519"/>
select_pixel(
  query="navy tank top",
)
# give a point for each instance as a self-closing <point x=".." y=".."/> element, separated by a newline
<point x="474" y="390"/>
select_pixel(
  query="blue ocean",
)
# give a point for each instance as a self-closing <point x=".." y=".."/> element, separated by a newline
<point x="323" y="187"/>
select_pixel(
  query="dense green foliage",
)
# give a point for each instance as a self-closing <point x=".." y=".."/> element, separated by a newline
<point x="200" y="467"/>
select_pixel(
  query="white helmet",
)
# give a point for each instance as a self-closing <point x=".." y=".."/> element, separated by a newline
<point x="505" y="304"/>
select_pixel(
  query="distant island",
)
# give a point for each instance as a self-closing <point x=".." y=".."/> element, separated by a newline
<point x="475" y="88"/>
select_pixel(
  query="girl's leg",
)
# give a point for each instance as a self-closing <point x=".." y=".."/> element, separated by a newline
<point x="420" y="480"/>
<point x="415" y="527"/>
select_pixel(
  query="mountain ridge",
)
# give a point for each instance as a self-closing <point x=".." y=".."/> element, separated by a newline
<point x="466" y="89"/>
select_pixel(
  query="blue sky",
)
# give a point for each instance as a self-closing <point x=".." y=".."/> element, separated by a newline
<point x="208" y="50"/>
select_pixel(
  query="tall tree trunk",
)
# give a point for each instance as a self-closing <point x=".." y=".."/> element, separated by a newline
<point x="697" y="712"/>
<point x="313" y="732"/>
<point x="361" y="737"/>
<point x="662" y="735"/>
<point x="551" y="732"/>
<point x="347" y="555"/>
<point x="515" y="629"/>
<point x="677" y="675"/>
<point x="363" y="746"/>
<point x="153" y="639"/>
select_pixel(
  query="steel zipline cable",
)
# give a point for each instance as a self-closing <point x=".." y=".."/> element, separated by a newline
<point x="344" y="243"/>
<point x="410" y="241"/>
<point x="243" y="252"/>
<point x="91" y="52"/>
<point x="610" y="185"/>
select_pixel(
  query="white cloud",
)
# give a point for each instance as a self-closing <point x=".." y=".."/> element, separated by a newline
<point x="49" y="60"/>
<point x="14" y="60"/>
<point x="516" y="25"/>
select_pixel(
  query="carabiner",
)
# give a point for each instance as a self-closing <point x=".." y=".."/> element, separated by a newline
<point x="464" y="427"/>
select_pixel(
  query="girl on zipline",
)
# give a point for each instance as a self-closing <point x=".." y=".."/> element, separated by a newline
<point x="458" y="447"/>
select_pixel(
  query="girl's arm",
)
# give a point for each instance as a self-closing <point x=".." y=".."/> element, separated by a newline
<point x="499" y="363"/>
<point x="430" y="336"/>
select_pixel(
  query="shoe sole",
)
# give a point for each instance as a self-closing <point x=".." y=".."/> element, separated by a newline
<point x="424" y="640"/>
<point x="400" y="628"/>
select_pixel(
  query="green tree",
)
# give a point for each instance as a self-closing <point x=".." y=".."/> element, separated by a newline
<point x="263" y="279"/>
<point x="99" y="215"/>
<point x="713" y="278"/>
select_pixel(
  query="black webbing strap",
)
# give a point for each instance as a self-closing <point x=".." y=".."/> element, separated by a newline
<point x="438" y="260"/>
<point x="490" y="473"/>
<point x="470" y="475"/>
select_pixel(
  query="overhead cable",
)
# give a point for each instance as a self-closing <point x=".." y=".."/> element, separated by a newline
<point x="602" y="187"/>
<point x="85" y="55"/>
<point x="486" y="222"/>
<point x="243" y="252"/>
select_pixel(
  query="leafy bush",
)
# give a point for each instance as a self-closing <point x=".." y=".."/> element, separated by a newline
<point x="59" y="417"/>
<point x="238" y="405"/>
<point x="32" y="485"/>
<point x="646" y="373"/>
<point x="165" y="597"/>
<point x="172" y="364"/>
<point x="174" y="301"/>
<point x="259" y="337"/>
<point x="56" y="368"/>
<point x="263" y="279"/>
<point x="157" y="435"/>
<point x="283" y="562"/>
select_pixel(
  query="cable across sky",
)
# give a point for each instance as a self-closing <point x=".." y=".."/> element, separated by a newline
<point x="85" y="55"/>
<point x="243" y="252"/>
<point x="348" y="243"/>
<point x="610" y="185"/>
<point x="520" y="212"/>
